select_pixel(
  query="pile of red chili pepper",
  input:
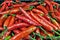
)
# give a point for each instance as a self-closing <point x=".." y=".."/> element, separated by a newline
<point x="29" y="20"/>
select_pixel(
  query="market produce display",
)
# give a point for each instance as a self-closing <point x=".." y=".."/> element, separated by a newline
<point x="36" y="20"/>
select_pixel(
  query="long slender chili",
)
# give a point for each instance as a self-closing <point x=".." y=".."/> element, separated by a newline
<point x="26" y="20"/>
<point x="11" y="21"/>
<point x="45" y="25"/>
<point x="24" y="33"/>
<point x="28" y="16"/>
<point x="56" y="28"/>
<point x="45" y="11"/>
<point x="6" y="23"/>
<point x="19" y="25"/>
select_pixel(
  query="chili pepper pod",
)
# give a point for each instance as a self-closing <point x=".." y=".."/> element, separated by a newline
<point x="33" y="3"/>
<point x="54" y="3"/>
<point x="19" y="25"/>
<point x="26" y="20"/>
<point x="45" y="25"/>
<point x="6" y="23"/>
<point x="58" y="18"/>
<point x="37" y="11"/>
<point x="56" y="12"/>
<point x="12" y="20"/>
<point x="12" y="11"/>
<point x="24" y="33"/>
<point x="50" y="5"/>
<point x="45" y="32"/>
<point x="55" y="23"/>
<point x="28" y="16"/>
<point x="2" y="19"/>
<point x="3" y="7"/>
<point x="45" y="11"/>
<point x="56" y="28"/>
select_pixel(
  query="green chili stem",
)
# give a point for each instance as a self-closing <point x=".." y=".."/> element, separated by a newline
<point x="41" y="37"/>
<point x="32" y="38"/>
<point x="46" y="33"/>
<point x="56" y="32"/>
<point x="7" y="38"/>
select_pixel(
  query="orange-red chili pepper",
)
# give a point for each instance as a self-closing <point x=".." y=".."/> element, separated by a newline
<point x="19" y="25"/>
<point x="28" y="16"/>
<point x="3" y="8"/>
<point x="12" y="20"/>
<point x="26" y="20"/>
<point x="56" y="28"/>
<point x="24" y="33"/>
<point x="2" y="19"/>
<point x="45" y="11"/>
<point x="14" y="10"/>
<point x="45" y="25"/>
<point x="6" y="23"/>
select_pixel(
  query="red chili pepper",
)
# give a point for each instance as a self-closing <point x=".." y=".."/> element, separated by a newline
<point x="6" y="34"/>
<point x="24" y="33"/>
<point x="16" y="5"/>
<point x="28" y="16"/>
<point x="12" y="20"/>
<point x="14" y="10"/>
<point x="33" y="3"/>
<point x="37" y="11"/>
<point x="55" y="23"/>
<point x="54" y="3"/>
<point x="2" y="19"/>
<point x="16" y="31"/>
<point x="56" y="28"/>
<point x="50" y="5"/>
<point x="45" y="11"/>
<point x="26" y="20"/>
<point x="58" y="18"/>
<point x="19" y="25"/>
<point x="45" y="25"/>
<point x="41" y="8"/>
<point x="6" y="23"/>
<point x="3" y="7"/>
<point x="56" y="12"/>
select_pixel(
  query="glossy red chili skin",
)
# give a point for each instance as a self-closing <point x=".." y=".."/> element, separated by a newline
<point x="44" y="24"/>
<point x="26" y="20"/>
<point x="24" y="33"/>
<point x="19" y="25"/>
<point x="28" y="16"/>
<point x="56" y="28"/>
